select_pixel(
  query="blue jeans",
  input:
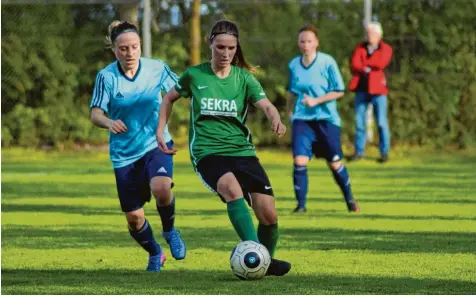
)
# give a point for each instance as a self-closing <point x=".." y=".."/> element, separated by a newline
<point x="379" y="103"/>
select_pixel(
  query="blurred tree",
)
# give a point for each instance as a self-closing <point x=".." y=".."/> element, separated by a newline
<point x="195" y="33"/>
<point x="129" y="11"/>
<point x="38" y="82"/>
<point x="51" y="54"/>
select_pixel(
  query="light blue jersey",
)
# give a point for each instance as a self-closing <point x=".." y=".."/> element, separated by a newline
<point x="136" y="102"/>
<point x="321" y="77"/>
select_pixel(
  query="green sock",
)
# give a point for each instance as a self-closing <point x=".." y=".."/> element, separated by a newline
<point x="268" y="236"/>
<point x="241" y="219"/>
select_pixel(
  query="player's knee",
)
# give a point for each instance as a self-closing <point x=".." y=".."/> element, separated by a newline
<point x="265" y="209"/>
<point x="135" y="219"/>
<point x="301" y="160"/>
<point x="229" y="191"/>
<point x="229" y="188"/>
<point x="335" y="165"/>
<point x="161" y="189"/>
<point x="161" y="193"/>
<point x="271" y="217"/>
<point x="268" y="216"/>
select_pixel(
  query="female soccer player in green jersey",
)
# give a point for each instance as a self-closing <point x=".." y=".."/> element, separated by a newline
<point x="221" y="149"/>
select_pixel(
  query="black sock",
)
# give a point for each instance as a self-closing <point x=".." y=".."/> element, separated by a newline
<point x="167" y="215"/>
<point x="145" y="238"/>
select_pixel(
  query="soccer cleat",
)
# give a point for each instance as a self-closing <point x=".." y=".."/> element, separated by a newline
<point x="299" y="210"/>
<point x="383" y="158"/>
<point x="156" y="262"/>
<point x="177" y="246"/>
<point x="352" y="206"/>
<point x="278" y="267"/>
<point x="355" y="157"/>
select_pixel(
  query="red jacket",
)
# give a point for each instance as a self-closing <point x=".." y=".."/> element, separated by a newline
<point x="377" y="62"/>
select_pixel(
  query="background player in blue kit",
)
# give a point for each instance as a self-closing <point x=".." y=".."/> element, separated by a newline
<point x="129" y="92"/>
<point x="315" y="83"/>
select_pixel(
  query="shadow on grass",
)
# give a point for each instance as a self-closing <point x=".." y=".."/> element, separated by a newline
<point x="72" y="167"/>
<point x="338" y="198"/>
<point x="65" y="209"/>
<point x="433" y="169"/>
<point x="380" y="241"/>
<point x="344" y="215"/>
<point x="362" y="198"/>
<point x="56" y="168"/>
<point x="105" y="281"/>
<point x="12" y="190"/>
<point x="209" y="213"/>
<point x="224" y="238"/>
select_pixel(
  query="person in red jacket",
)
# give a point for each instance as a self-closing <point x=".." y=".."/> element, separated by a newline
<point x="369" y="82"/>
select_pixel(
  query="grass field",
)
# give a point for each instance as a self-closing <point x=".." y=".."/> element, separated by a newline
<point x="63" y="232"/>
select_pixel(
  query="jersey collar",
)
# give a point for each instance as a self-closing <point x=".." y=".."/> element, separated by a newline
<point x="312" y="64"/>
<point x="124" y="75"/>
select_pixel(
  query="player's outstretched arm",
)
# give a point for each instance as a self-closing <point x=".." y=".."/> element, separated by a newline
<point x="164" y="114"/>
<point x="99" y="118"/>
<point x="273" y="115"/>
<point x="330" y="96"/>
<point x="290" y="103"/>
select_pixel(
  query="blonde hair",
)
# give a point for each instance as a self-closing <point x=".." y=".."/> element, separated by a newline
<point x="376" y="26"/>
<point x="109" y="43"/>
<point x="116" y="28"/>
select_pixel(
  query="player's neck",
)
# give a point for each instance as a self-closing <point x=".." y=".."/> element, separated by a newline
<point x="130" y="72"/>
<point x="221" y="72"/>
<point x="308" y="59"/>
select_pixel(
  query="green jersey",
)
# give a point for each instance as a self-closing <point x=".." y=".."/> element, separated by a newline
<point x="218" y="110"/>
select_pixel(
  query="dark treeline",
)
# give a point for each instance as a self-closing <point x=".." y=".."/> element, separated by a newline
<point x="51" y="54"/>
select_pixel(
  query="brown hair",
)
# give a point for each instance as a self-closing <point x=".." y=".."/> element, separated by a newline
<point x="116" y="28"/>
<point x="309" y="28"/>
<point x="230" y="28"/>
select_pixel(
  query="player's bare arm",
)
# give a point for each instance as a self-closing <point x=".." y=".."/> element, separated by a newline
<point x="164" y="114"/>
<point x="290" y="103"/>
<point x="333" y="95"/>
<point x="99" y="118"/>
<point x="273" y="115"/>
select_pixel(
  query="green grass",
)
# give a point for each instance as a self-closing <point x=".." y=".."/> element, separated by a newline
<point x="63" y="232"/>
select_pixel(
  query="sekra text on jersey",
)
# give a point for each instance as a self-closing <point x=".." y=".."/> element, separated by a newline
<point x="218" y="107"/>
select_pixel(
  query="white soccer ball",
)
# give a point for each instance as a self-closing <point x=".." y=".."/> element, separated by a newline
<point x="250" y="260"/>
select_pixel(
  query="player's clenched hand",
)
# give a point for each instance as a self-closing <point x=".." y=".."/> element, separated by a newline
<point x="308" y="101"/>
<point x="278" y="127"/>
<point x="163" y="146"/>
<point x="117" y="127"/>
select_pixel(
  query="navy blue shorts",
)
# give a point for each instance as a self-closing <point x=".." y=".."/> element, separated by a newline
<point x="316" y="137"/>
<point x="133" y="181"/>
<point x="247" y="170"/>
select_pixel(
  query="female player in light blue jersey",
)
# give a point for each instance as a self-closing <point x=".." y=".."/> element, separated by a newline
<point x="315" y="83"/>
<point x="126" y="100"/>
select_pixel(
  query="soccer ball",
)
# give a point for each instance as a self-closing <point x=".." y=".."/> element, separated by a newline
<point x="249" y="260"/>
